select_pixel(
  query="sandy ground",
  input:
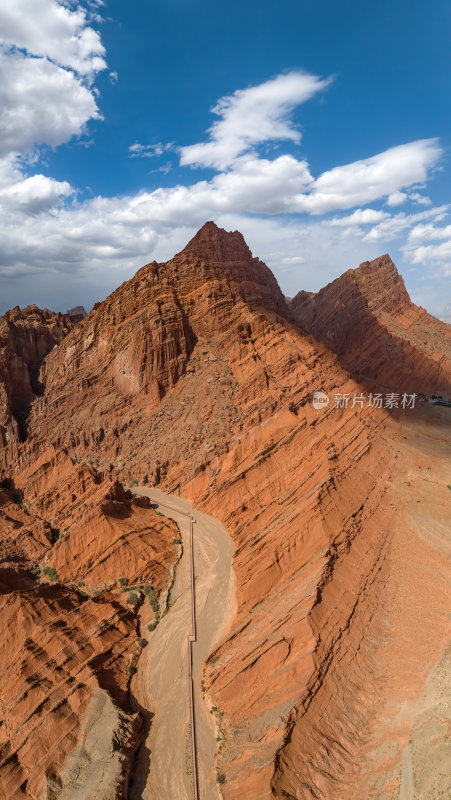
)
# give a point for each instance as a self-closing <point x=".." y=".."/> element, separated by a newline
<point x="163" y="768"/>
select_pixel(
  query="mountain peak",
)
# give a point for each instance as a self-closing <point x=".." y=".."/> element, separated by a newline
<point x="217" y="244"/>
<point x="381" y="284"/>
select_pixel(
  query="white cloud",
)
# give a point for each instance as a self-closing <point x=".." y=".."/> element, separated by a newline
<point x="40" y="103"/>
<point x="421" y="199"/>
<point x="438" y="254"/>
<point x="433" y="254"/>
<point x="48" y="28"/>
<point x="429" y="233"/>
<point x="372" y="178"/>
<point x="390" y="228"/>
<point x="361" y="216"/>
<point x="149" y="150"/>
<point x="35" y="194"/>
<point x="251" y="116"/>
<point x="396" y="198"/>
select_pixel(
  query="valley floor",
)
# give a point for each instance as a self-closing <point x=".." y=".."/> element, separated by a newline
<point x="163" y="769"/>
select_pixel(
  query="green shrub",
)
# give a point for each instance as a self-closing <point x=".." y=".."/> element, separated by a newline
<point x="176" y="541"/>
<point x="141" y="642"/>
<point x="131" y="670"/>
<point x="153" y="599"/>
<point x="123" y="581"/>
<point x="214" y="660"/>
<point x="51" y="573"/>
<point x="220" y="777"/>
<point x="132" y="599"/>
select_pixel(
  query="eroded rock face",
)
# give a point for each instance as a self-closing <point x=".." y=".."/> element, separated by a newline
<point x="193" y="376"/>
<point x="70" y="642"/>
<point x="26" y="336"/>
<point x="99" y="765"/>
<point x="368" y="319"/>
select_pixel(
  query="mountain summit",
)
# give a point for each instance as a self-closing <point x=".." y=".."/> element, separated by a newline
<point x="367" y="318"/>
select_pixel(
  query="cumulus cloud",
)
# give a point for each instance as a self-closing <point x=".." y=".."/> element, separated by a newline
<point x="361" y="216"/>
<point x="421" y="199"/>
<point x="372" y="178"/>
<point x="438" y="253"/>
<point x="251" y="116"/>
<point x="35" y="194"/>
<point x="40" y="103"/>
<point x="49" y="28"/>
<point x="396" y="198"/>
<point x="434" y="254"/>
<point x="390" y="228"/>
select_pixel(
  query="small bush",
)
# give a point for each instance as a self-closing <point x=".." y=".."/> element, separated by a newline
<point x="141" y="642"/>
<point x="152" y="625"/>
<point x="132" y="599"/>
<point x="123" y="581"/>
<point x="176" y="541"/>
<point x="80" y="583"/>
<point x="131" y="670"/>
<point x="51" y="573"/>
<point x="153" y="599"/>
<point x="220" y="777"/>
<point x="214" y="660"/>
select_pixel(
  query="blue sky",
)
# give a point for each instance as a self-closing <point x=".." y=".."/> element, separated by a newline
<point x="319" y="129"/>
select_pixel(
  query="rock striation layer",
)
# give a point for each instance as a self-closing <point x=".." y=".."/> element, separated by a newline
<point x="368" y="319"/>
<point x="196" y="377"/>
<point x="26" y="337"/>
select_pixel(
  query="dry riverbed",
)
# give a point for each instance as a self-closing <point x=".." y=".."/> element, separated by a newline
<point x="163" y="769"/>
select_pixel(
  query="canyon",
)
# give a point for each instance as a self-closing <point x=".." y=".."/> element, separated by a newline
<point x="327" y="680"/>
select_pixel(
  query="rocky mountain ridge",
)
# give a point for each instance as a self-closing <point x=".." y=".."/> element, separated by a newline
<point x="367" y="318"/>
<point x="195" y="377"/>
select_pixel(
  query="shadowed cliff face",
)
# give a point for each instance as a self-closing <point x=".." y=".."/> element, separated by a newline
<point x="26" y="337"/>
<point x="192" y="376"/>
<point x="367" y="318"/>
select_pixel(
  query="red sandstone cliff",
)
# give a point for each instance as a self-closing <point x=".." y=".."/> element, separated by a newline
<point x="26" y="336"/>
<point x="368" y="319"/>
<point x="192" y="376"/>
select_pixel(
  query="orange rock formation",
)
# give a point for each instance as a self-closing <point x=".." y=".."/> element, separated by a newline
<point x="367" y="318"/>
<point x="195" y="376"/>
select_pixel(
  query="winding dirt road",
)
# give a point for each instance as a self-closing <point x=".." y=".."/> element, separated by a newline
<point x="163" y="768"/>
